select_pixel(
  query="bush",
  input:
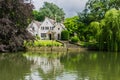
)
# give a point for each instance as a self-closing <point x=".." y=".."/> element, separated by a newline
<point x="74" y="39"/>
<point x="42" y="43"/>
<point x="65" y="35"/>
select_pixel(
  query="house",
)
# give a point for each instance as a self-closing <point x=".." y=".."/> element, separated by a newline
<point x="48" y="29"/>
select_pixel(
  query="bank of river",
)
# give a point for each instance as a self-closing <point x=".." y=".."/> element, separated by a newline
<point x="60" y="66"/>
<point x="57" y="49"/>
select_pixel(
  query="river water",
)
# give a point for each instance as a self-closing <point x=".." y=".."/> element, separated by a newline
<point x="60" y="66"/>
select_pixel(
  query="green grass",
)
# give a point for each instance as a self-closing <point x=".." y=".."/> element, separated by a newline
<point x="42" y="43"/>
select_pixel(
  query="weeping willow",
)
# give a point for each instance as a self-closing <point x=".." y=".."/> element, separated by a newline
<point x="109" y="38"/>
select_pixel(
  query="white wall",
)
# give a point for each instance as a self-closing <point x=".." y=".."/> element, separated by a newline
<point x="45" y="24"/>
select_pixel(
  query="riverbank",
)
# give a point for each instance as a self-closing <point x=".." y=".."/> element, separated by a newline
<point x="56" y="49"/>
<point x="65" y="46"/>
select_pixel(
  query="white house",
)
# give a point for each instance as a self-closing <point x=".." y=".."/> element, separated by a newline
<point x="48" y="29"/>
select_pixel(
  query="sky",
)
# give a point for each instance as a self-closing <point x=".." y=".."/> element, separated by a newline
<point x="70" y="7"/>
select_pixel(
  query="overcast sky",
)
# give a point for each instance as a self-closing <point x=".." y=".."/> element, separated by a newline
<point x="70" y="7"/>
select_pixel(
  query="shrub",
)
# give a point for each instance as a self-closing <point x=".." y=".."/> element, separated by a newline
<point x="42" y="43"/>
<point x="65" y="35"/>
<point x="74" y="39"/>
<point x="28" y="43"/>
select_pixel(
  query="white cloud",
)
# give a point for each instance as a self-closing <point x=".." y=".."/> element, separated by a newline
<point x="71" y="7"/>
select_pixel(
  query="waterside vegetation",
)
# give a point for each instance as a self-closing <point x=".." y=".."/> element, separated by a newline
<point x="98" y="25"/>
<point x="42" y="43"/>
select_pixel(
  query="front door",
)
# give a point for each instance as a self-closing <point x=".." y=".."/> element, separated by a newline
<point x="50" y="36"/>
<point x="58" y="36"/>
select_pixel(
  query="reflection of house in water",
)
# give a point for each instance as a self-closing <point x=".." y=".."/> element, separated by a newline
<point x="47" y="65"/>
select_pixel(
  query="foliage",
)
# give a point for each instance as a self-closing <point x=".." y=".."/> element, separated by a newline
<point x="15" y="15"/>
<point x="98" y="23"/>
<point x="75" y="26"/>
<point x="65" y="35"/>
<point x="42" y="43"/>
<point x="38" y="16"/>
<point x="74" y="39"/>
<point x="49" y="10"/>
<point x="110" y="33"/>
<point x="95" y="30"/>
<point x="98" y="8"/>
<point x="17" y="12"/>
<point x="71" y="24"/>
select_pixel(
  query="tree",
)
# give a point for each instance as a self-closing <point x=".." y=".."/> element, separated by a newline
<point x="95" y="30"/>
<point x="98" y="8"/>
<point x="15" y="15"/>
<point x="94" y="12"/>
<point x="49" y="10"/>
<point x="109" y="37"/>
<point x="38" y="16"/>
<point x="71" y="24"/>
<point x="75" y="26"/>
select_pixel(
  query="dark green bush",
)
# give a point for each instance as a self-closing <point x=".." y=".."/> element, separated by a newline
<point x="74" y="39"/>
<point x="65" y="35"/>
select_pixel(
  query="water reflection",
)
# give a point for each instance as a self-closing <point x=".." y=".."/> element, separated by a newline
<point x="76" y="66"/>
<point x="46" y="65"/>
<point x="60" y="66"/>
<point x="94" y="66"/>
<point x="13" y="67"/>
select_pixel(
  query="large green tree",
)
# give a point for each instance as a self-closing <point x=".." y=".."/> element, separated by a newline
<point x="49" y="10"/>
<point x="93" y="13"/>
<point x="75" y="26"/>
<point x="109" y="38"/>
<point x="71" y="24"/>
<point x="98" y="8"/>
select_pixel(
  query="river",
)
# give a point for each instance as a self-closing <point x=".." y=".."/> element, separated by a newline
<point x="60" y="66"/>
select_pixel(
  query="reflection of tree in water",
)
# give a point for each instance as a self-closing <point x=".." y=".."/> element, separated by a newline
<point x="13" y="67"/>
<point x="48" y="65"/>
<point x="93" y="65"/>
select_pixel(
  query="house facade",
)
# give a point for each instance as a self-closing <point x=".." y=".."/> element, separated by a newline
<point x="48" y="29"/>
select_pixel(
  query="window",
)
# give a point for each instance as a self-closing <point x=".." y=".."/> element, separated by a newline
<point x="58" y="28"/>
<point x="51" y="28"/>
<point x="46" y="28"/>
<point x="43" y="34"/>
<point x="42" y="28"/>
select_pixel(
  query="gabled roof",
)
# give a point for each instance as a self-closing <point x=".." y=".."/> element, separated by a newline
<point x="60" y="25"/>
<point x="37" y="23"/>
<point x="51" y="20"/>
